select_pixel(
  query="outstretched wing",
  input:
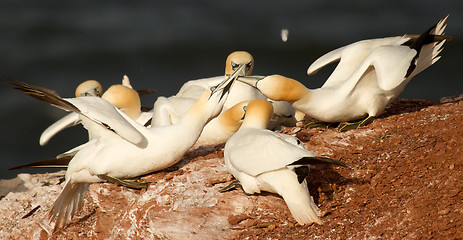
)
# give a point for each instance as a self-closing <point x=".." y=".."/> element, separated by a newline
<point x="107" y="115"/>
<point x="97" y="109"/>
<point x="69" y="120"/>
<point x="350" y="58"/>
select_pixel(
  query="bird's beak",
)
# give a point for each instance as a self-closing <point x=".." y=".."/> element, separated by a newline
<point x="250" y="80"/>
<point x="94" y="92"/>
<point x="226" y="84"/>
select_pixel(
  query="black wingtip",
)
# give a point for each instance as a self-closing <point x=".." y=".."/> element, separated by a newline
<point x="50" y="163"/>
<point x="43" y="94"/>
<point x="147" y="91"/>
<point x="301" y="173"/>
<point x="319" y="160"/>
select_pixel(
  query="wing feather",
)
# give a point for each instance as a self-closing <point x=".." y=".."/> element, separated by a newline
<point x="261" y="150"/>
<point x="351" y="58"/>
<point x="95" y="108"/>
<point x="107" y="115"/>
<point x="69" y="120"/>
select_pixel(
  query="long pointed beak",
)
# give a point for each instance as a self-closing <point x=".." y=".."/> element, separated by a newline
<point x="250" y="80"/>
<point x="226" y="84"/>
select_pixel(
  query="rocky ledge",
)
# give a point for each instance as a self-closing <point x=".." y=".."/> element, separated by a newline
<point x="404" y="182"/>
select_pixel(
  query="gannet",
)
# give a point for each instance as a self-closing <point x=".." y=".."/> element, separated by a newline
<point x="120" y="147"/>
<point x="122" y="96"/>
<point x="371" y="73"/>
<point x="222" y="127"/>
<point x="167" y="110"/>
<point x="262" y="160"/>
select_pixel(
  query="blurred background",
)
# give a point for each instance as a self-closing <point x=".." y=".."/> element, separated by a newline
<point x="162" y="44"/>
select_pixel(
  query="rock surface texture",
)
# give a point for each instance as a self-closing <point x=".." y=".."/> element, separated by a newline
<point x="404" y="182"/>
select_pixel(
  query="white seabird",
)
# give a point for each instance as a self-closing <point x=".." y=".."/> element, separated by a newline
<point x="168" y="110"/>
<point x="371" y="73"/>
<point x="120" y="147"/>
<point x="262" y="160"/>
<point x="122" y="96"/>
<point x="222" y="127"/>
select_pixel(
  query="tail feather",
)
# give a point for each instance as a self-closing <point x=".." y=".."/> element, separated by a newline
<point x="295" y="194"/>
<point x="440" y="27"/>
<point x="302" y="206"/>
<point x="428" y="46"/>
<point x="68" y="203"/>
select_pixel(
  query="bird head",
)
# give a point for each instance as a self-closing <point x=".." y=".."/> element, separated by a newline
<point x="124" y="98"/>
<point x="237" y="59"/>
<point x="89" y="88"/>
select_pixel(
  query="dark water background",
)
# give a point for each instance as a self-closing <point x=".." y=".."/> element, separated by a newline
<point x="162" y="44"/>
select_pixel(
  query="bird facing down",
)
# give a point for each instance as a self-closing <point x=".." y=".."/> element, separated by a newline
<point x="120" y="147"/>
<point x="221" y="128"/>
<point x="262" y="160"/>
<point x="371" y="73"/>
<point x="120" y="95"/>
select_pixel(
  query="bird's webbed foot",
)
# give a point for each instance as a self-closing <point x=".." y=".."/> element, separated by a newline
<point x="321" y="124"/>
<point x="233" y="185"/>
<point x="126" y="183"/>
<point x="354" y="125"/>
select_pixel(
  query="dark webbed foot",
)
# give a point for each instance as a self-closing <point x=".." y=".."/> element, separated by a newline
<point x="233" y="185"/>
<point x="126" y="183"/>
<point x="354" y="125"/>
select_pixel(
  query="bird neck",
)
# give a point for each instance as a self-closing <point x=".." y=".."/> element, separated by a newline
<point x="231" y="119"/>
<point x="281" y="88"/>
<point x="200" y="113"/>
<point x="258" y="114"/>
<point x="124" y="98"/>
<point x="255" y="124"/>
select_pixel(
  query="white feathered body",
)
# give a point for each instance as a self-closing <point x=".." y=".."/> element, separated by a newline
<point x="122" y="148"/>
<point x="370" y="74"/>
<point x="260" y="159"/>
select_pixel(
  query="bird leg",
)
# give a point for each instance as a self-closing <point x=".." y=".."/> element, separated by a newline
<point x="126" y="183"/>
<point x="354" y="125"/>
<point x="320" y="124"/>
<point x="233" y="185"/>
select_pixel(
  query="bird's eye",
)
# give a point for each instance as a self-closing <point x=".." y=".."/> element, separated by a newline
<point x="234" y="65"/>
<point x="213" y="88"/>
<point x="298" y="142"/>
<point x="249" y="65"/>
